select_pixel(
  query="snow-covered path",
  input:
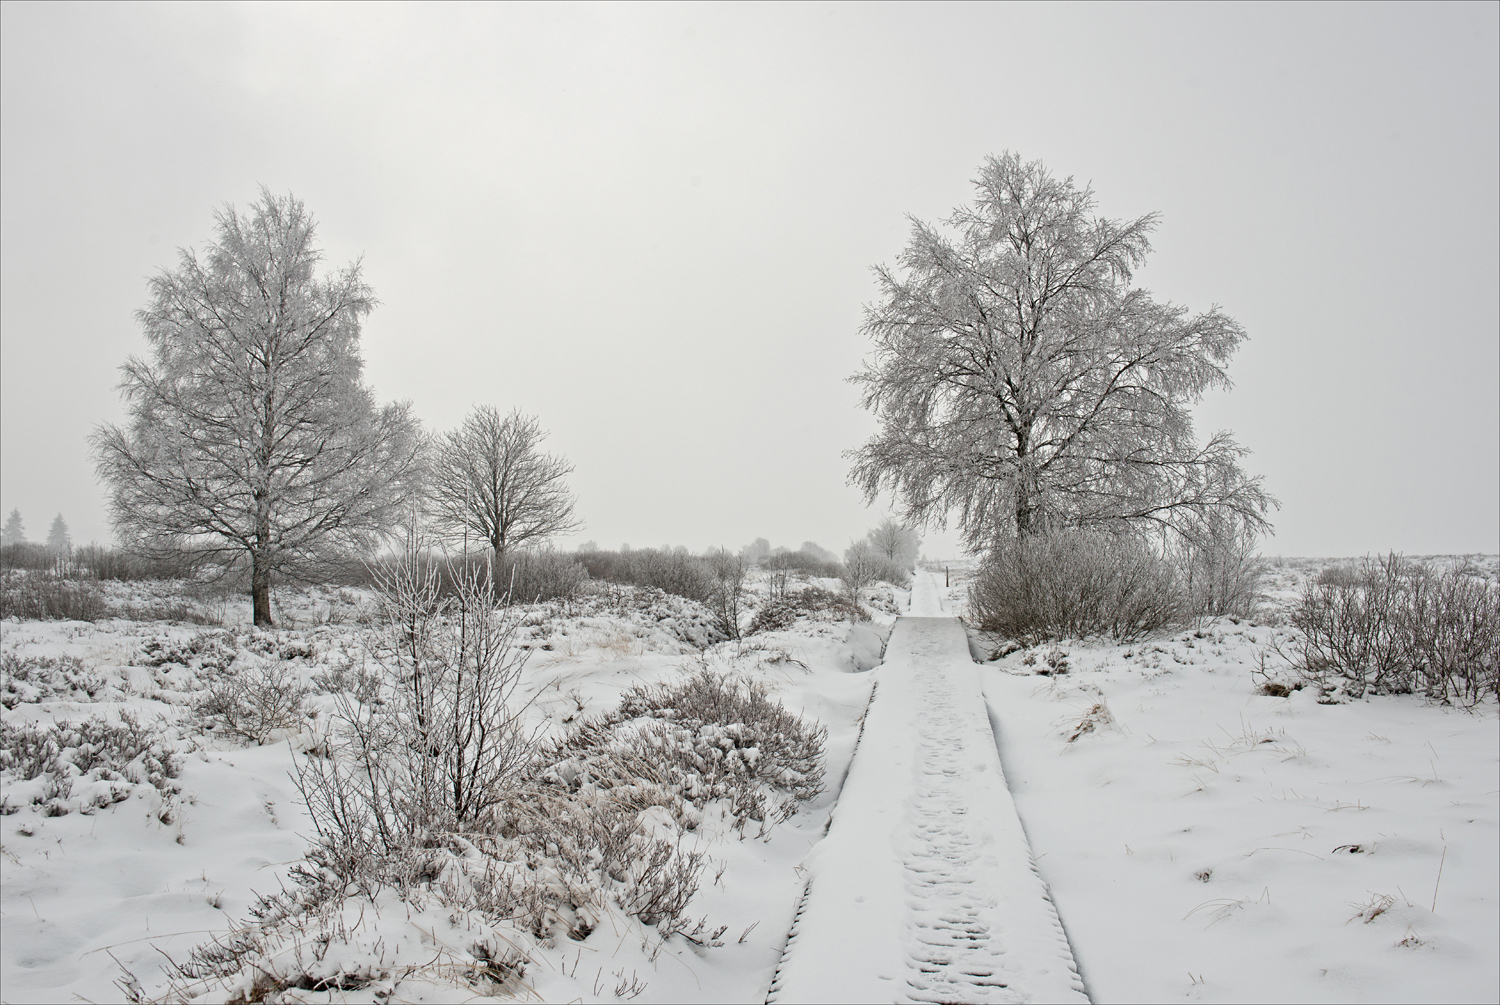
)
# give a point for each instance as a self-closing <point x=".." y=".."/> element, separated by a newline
<point x="924" y="889"/>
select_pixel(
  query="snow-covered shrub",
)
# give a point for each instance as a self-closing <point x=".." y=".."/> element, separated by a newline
<point x="687" y="621"/>
<point x="206" y="650"/>
<point x="257" y="702"/>
<point x="1400" y="627"/>
<point x="613" y="843"/>
<point x="593" y="830"/>
<point x="812" y="602"/>
<point x="864" y="565"/>
<point x="33" y="679"/>
<point x="358" y="681"/>
<point x="1075" y="584"/>
<point x="82" y="765"/>
<point x="310" y="938"/>
<point x="39" y="596"/>
<point x="707" y="737"/>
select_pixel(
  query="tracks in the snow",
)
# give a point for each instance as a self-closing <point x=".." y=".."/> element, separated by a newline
<point x="924" y="889"/>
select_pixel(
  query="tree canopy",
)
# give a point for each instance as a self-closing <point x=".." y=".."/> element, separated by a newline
<point x="492" y="479"/>
<point x="1022" y="382"/>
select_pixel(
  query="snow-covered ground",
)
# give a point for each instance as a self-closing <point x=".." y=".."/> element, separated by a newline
<point x="1200" y="840"/>
<point x="97" y="886"/>
<point x="1205" y="841"/>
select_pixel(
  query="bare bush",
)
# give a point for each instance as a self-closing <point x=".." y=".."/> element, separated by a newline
<point x="98" y="562"/>
<point x="1394" y="626"/>
<point x="25" y="555"/>
<point x="257" y="703"/>
<point x="1340" y="574"/>
<point x="439" y="751"/>
<point x="864" y="566"/>
<point x="43" y="597"/>
<point x="530" y="577"/>
<point x="1219" y="570"/>
<point x="807" y="563"/>
<point x="675" y="572"/>
<point x="1075" y="584"/>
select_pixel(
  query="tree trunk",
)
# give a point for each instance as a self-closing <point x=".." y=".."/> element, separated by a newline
<point x="260" y="590"/>
<point x="1027" y="522"/>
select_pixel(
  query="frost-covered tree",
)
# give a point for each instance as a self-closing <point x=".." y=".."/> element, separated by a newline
<point x="251" y="436"/>
<point x="14" y="532"/>
<point x="492" y="480"/>
<point x="817" y="551"/>
<point x="1021" y="381"/>
<point x="58" y="540"/>
<point x="756" y="550"/>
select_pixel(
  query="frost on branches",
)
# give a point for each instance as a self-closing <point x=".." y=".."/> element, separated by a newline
<point x="251" y="437"/>
<point x="1021" y="381"/>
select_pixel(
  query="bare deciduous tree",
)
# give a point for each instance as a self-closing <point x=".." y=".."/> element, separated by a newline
<point x="896" y="542"/>
<point x="250" y="434"/>
<point x="729" y="571"/>
<point x="492" y="480"/>
<point x="1022" y="382"/>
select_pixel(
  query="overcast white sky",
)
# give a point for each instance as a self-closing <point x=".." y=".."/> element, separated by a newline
<point x="653" y="226"/>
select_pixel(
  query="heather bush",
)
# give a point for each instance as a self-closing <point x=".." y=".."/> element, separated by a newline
<point x="31" y="679"/>
<point x="83" y="765"/>
<point x="812" y="602"/>
<point x="213" y="650"/>
<point x="1075" y="584"/>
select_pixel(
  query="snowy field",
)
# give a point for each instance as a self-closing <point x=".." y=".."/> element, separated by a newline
<point x="1206" y="842"/>
<point x="1201" y="840"/>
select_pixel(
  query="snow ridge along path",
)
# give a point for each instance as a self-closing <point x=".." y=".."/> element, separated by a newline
<point x="924" y="889"/>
